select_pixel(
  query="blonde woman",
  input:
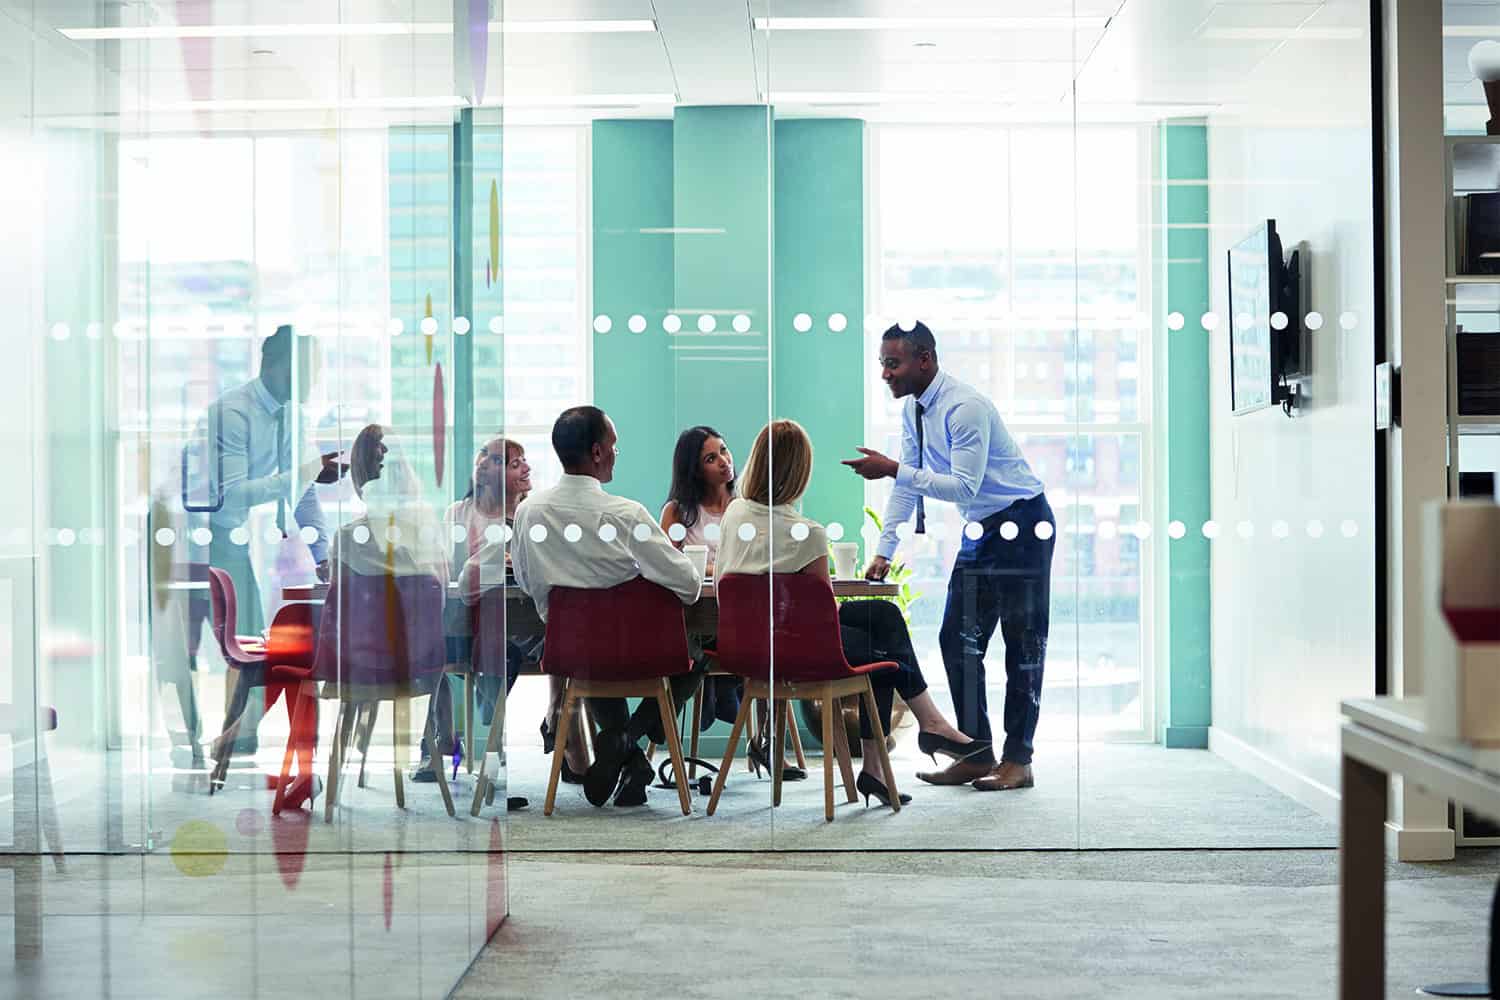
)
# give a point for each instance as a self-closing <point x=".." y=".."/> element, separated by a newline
<point x="778" y="473"/>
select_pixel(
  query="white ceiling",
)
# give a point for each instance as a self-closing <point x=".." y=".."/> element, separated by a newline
<point x="1131" y="58"/>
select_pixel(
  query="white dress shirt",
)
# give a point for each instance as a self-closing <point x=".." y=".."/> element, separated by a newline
<point x="577" y="535"/>
<point x="781" y="539"/>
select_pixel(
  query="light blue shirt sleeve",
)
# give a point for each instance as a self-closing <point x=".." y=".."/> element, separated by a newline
<point x="903" y="499"/>
<point x="309" y="514"/>
<point x="969" y="454"/>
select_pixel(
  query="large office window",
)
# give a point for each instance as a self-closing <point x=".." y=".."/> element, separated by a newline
<point x="1038" y="292"/>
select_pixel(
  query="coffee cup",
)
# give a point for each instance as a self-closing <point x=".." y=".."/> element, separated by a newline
<point x="845" y="560"/>
<point x="699" y="555"/>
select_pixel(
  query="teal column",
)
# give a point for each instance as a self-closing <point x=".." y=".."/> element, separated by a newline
<point x="817" y="376"/>
<point x="633" y="276"/>
<point x="721" y="196"/>
<point x="1184" y="202"/>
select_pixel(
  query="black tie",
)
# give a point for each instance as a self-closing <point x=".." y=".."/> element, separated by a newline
<point x="281" y="464"/>
<point x="921" y="510"/>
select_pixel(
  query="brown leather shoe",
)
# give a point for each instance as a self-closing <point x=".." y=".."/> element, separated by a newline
<point x="1007" y="777"/>
<point x="960" y="772"/>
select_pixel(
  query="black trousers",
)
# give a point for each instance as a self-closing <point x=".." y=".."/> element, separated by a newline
<point x="873" y="631"/>
<point x="614" y="713"/>
<point x="1007" y="582"/>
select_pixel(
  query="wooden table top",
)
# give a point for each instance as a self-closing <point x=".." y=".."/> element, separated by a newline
<point x="841" y="588"/>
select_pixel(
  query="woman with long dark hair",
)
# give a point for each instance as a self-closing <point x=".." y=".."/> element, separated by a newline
<point x="702" y="486"/>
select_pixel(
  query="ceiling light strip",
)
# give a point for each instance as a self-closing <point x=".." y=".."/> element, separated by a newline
<point x="353" y="29"/>
<point x="928" y="24"/>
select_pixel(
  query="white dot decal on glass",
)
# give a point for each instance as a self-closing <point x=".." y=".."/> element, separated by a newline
<point x="93" y="331"/>
<point x="165" y="536"/>
<point x="904" y="530"/>
<point x="1315" y="321"/>
<point x="361" y="534"/>
<point x="1210" y="321"/>
<point x="461" y="326"/>
<point x="395" y="327"/>
<point x="838" y="322"/>
<point x="802" y="322"/>
<point x="712" y="532"/>
<point x="1245" y="530"/>
<point x="202" y="536"/>
<point x="1106" y="529"/>
<point x="1176" y="530"/>
<point x="1349" y="529"/>
<point x="429" y="326"/>
<point x="607" y="533"/>
<point x="1009" y="531"/>
<point x="393" y="534"/>
<point x="507" y="533"/>
<point x="1314" y="528"/>
<point x="60" y="331"/>
<point x="677" y="532"/>
<point x="308" y="534"/>
<point x="799" y="532"/>
<point x="497" y="324"/>
<point x="457" y="534"/>
<point x="1280" y="529"/>
<point x="271" y="535"/>
<point x="66" y="537"/>
<point x="741" y="323"/>
<point x="572" y="533"/>
<point x="1210" y="529"/>
<point x="1043" y="530"/>
<point x="672" y="323"/>
<point x="1175" y="321"/>
<point x="835" y="531"/>
<point x="746" y="532"/>
<point x="707" y="323"/>
<point x="603" y="324"/>
<point x="641" y="532"/>
<point x="240" y="535"/>
<point x="538" y="533"/>
<point x="493" y="533"/>
<point x="1278" y="320"/>
<point x="636" y="324"/>
<point x="907" y="325"/>
<point x="1348" y="320"/>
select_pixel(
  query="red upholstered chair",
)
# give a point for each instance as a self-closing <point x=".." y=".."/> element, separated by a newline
<point x="381" y="638"/>
<point x="799" y="610"/>
<point x="246" y="657"/>
<point x="621" y="642"/>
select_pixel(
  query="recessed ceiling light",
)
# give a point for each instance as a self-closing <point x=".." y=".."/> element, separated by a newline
<point x="924" y="45"/>
<point x="926" y="24"/>
<point x="262" y="52"/>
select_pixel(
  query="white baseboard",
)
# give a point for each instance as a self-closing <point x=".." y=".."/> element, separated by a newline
<point x="1314" y="794"/>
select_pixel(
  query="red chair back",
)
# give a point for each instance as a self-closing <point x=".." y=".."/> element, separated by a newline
<point x="795" y="608"/>
<point x="291" y="647"/>
<point x="381" y="630"/>
<point x="631" y="632"/>
<point x="225" y="613"/>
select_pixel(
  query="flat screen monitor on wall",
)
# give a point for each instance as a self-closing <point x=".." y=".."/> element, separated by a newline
<point x="1264" y="321"/>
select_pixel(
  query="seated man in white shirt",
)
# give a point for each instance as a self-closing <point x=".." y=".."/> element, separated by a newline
<point x="584" y="439"/>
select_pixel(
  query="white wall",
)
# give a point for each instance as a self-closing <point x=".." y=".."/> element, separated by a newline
<point x="1294" y="619"/>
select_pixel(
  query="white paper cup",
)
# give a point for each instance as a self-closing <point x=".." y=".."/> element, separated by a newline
<point x="845" y="560"/>
<point x="699" y="555"/>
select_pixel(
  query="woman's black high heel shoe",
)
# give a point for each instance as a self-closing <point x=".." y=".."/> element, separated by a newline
<point x="932" y="744"/>
<point x="868" y="786"/>
<point x="759" y="760"/>
<point x="548" y="738"/>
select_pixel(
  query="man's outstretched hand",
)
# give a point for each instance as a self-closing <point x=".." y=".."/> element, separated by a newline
<point x="332" y="469"/>
<point x="873" y="466"/>
<point x="878" y="568"/>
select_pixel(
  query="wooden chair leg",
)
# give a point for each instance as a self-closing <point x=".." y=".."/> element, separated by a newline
<point x="885" y="758"/>
<point x="560" y="747"/>
<point x="674" y="744"/>
<point x="371" y="713"/>
<point x="336" y="758"/>
<point x="778" y="710"/>
<point x="435" y="761"/>
<point x="729" y="752"/>
<point x="841" y="747"/>
<point x="796" y="738"/>
<point x="481" y="784"/>
<point x="401" y="740"/>
<point x="830" y="751"/>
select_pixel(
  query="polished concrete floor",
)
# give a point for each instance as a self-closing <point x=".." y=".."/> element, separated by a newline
<point x="1153" y="925"/>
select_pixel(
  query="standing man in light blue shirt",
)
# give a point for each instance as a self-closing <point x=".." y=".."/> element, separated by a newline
<point x="955" y="447"/>
<point x="252" y="424"/>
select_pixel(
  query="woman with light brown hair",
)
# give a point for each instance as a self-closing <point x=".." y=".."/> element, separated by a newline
<point x="771" y="488"/>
